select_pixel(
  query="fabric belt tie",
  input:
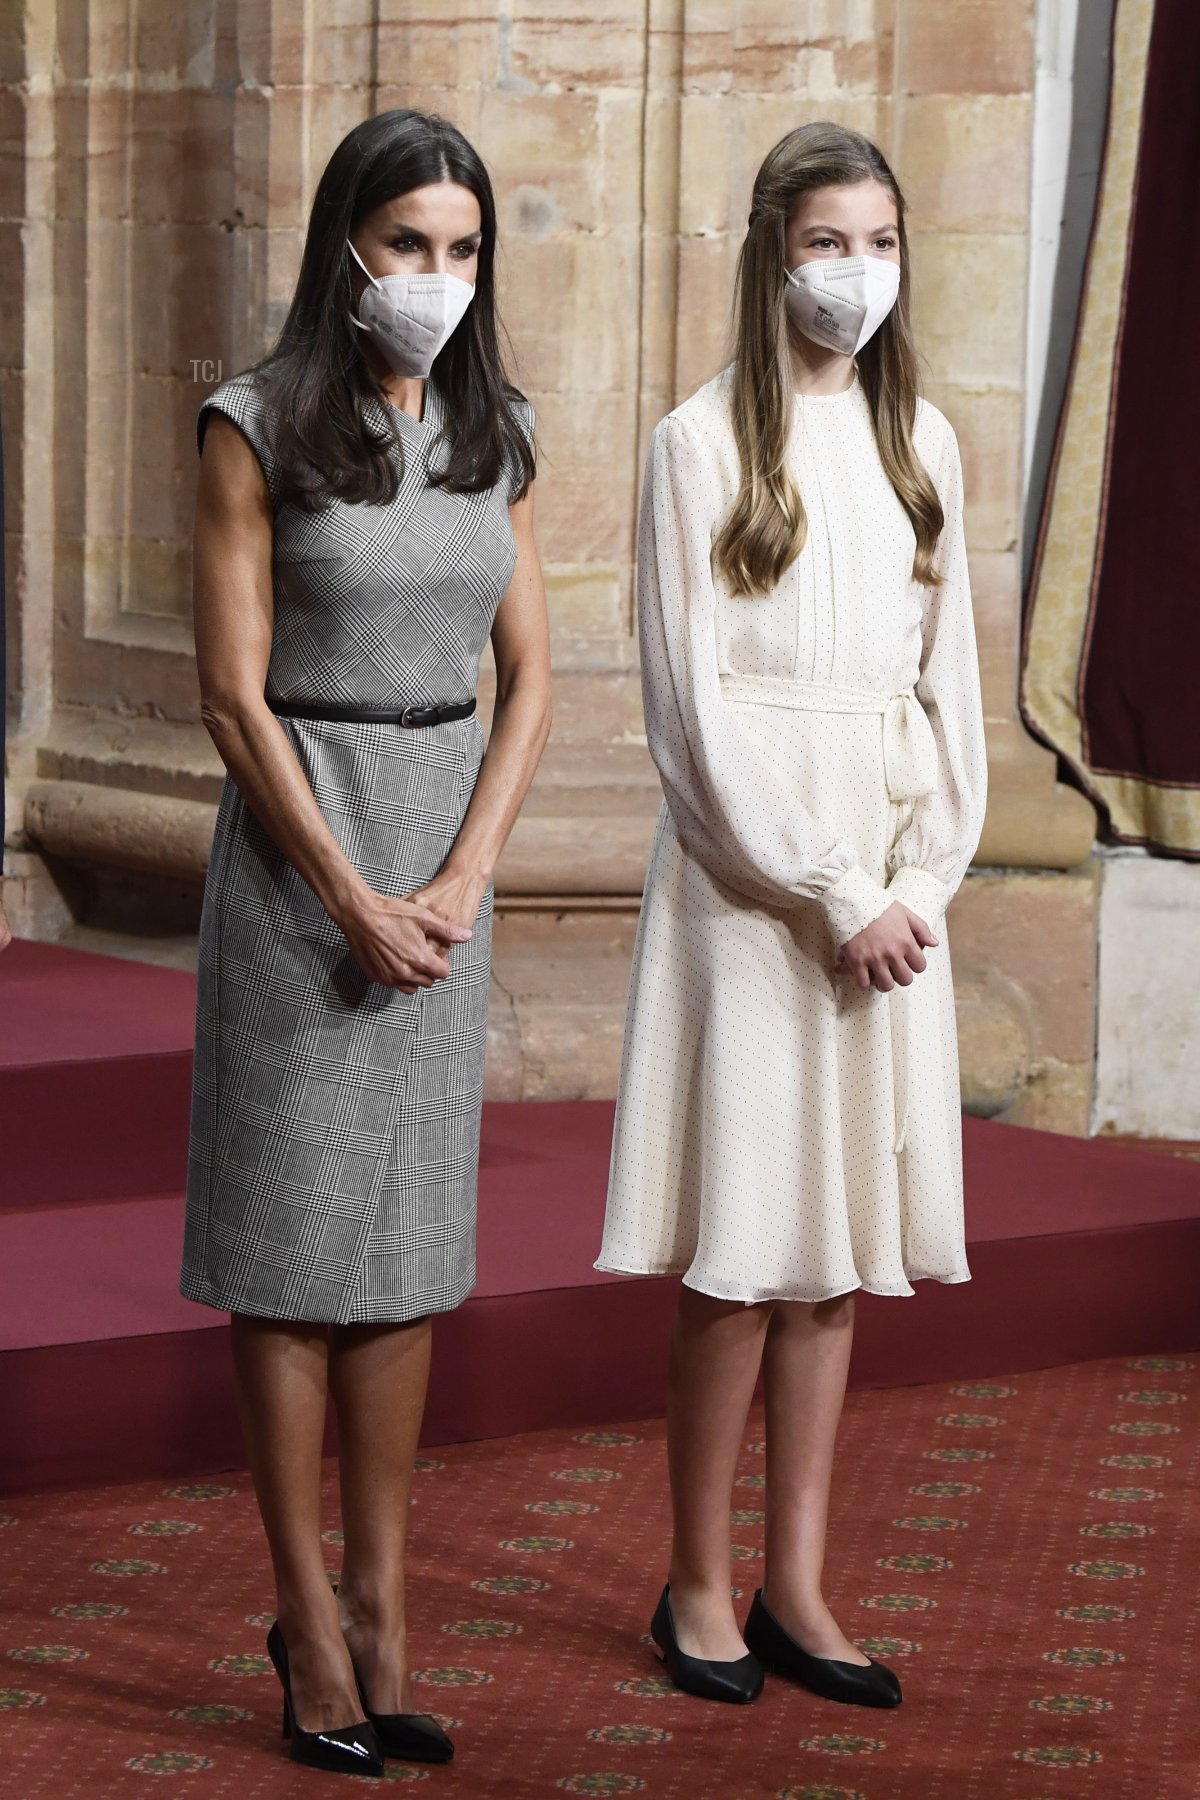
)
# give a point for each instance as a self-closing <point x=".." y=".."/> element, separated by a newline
<point x="897" y="1025"/>
<point x="910" y="757"/>
<point x="910" y="768"/>
<point x="411" y="717"/>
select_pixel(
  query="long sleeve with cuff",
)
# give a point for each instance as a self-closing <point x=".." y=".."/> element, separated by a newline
<point x="933" y="852"/>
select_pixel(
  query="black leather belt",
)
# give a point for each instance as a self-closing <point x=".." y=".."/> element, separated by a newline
<point x="410" y="717"/>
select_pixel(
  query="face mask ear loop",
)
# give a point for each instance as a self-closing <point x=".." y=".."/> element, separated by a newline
<point x="362" y="265"/>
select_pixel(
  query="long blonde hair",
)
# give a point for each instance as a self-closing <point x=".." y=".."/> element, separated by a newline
<point x="767" y="527"/>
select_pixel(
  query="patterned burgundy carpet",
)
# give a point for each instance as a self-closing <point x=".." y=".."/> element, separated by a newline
<point x="1021" y="1553"/>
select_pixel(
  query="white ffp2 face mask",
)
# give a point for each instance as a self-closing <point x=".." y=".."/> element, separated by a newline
<point x="410" y="317"/>
<point x="841" y="303"/>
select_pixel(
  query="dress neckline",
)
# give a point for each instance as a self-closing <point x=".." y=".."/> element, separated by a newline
<point x="807" y="400"/>
<point x="433" y="411"/>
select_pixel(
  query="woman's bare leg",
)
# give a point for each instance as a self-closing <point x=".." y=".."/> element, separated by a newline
<point x="715" y="1356"/>
<point x="378" y="1376"/>
<point x="805" y="1362"/>
<point x="281" y="1371"/>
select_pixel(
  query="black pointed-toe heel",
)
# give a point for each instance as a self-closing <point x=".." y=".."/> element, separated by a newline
<point x="780" y="1654"/>
<point x="739" y="1682"/>
<point x="409" y="1737"/>
<point x="350" y="1750"/>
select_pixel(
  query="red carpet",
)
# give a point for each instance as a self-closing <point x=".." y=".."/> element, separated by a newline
<point x="1021" y="1551"/>
<point x="1078" y="1250"/>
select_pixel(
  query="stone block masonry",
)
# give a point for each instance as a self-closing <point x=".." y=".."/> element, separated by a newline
<point x="156" y="166"/>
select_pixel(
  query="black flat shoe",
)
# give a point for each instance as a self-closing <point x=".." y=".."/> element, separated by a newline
<point x="782" y="1655"/>
<point x="409" y="1737"/>
<point x="739" y="1682"/>
<point x="350" y="1750"/>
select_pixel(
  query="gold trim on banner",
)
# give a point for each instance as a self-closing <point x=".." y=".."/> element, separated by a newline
<point x="1072" y="540"/>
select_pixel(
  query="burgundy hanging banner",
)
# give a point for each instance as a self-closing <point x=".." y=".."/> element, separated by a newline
<point x="1111" y="660"/>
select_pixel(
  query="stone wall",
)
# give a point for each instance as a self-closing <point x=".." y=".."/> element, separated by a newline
<point x="156" y="163"/>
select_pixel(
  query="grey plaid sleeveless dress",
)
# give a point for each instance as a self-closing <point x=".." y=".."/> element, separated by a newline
<point x="334" y="1142"/>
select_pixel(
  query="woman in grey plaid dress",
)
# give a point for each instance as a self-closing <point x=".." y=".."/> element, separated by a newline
<point x="364" y="524"/>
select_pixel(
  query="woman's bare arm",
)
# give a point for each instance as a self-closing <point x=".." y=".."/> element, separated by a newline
<point x="234" y="618"/>
<point x="520" y="727"/>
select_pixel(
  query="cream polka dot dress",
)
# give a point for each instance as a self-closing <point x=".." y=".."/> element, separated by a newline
<point x="780" y="1133"/>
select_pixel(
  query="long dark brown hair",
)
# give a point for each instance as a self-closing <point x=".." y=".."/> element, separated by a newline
<point x="316" y="378"/>
<point x="766" y="529"/>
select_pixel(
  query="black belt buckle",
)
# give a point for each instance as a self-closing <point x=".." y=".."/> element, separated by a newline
<point x="410" y="716"/>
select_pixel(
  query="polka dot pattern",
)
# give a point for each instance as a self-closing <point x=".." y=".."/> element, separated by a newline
<point x="781" y="1134"/>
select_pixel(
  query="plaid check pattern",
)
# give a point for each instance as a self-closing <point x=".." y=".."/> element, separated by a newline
<point x="334" y="1145"/>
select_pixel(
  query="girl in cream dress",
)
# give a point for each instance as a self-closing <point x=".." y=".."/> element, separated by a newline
<point x="788" y="1116"/>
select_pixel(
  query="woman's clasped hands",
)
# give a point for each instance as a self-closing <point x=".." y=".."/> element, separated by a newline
<point x="888" y="952"/>
<point x="405" y="942"/>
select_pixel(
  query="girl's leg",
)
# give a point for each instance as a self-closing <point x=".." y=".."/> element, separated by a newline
<point x="715" y="1356"/>
<point x="281" y="1381"/>
<point x="378" y="1375"/>
<point x="804" y="1367"/>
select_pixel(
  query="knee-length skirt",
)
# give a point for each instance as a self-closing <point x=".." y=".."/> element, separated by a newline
<point x="334" y="1145"/>
<point x="780" y="1133"/>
